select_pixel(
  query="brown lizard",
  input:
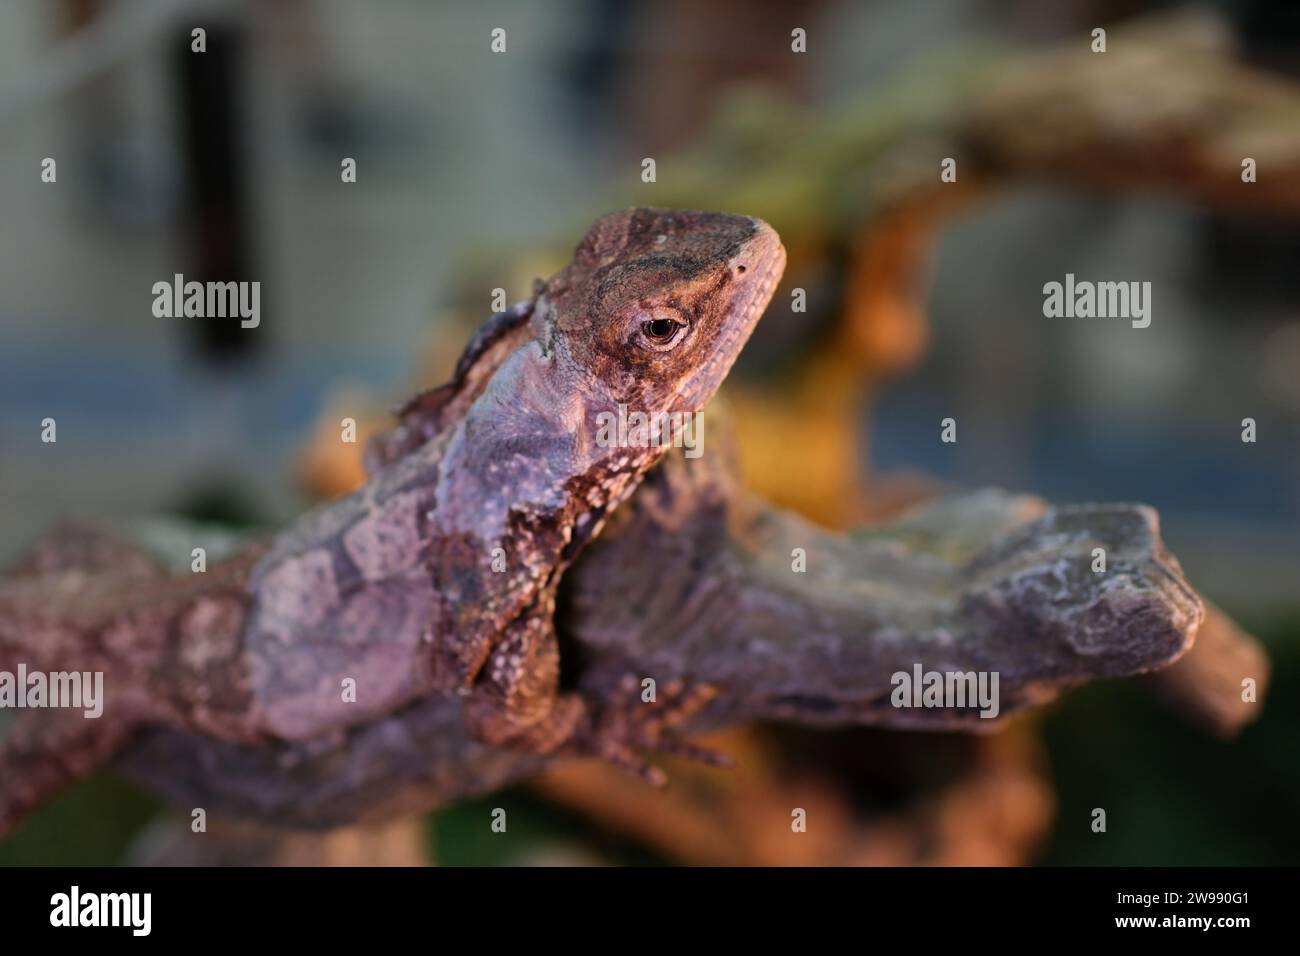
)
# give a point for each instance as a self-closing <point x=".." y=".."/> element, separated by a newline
<point x="440" y="574"/>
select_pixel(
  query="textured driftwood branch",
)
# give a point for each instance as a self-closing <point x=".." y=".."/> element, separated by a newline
<point x="695" y="581"/>
<point x="966" y="584"/>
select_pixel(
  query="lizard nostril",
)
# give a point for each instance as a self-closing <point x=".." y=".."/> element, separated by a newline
<point x="740" y="269"/>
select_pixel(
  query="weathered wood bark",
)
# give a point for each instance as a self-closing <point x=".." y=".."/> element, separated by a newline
<point x="694" y="581"/>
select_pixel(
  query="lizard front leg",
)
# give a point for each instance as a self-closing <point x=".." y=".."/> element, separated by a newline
<point x="624" y="725"/>
<point x="517" y="704"/>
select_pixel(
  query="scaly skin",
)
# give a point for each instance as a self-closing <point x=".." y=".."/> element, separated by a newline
<point x="441" y="572"/>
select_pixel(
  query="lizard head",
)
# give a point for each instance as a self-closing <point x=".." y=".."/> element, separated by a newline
<point x="657" y="304"/>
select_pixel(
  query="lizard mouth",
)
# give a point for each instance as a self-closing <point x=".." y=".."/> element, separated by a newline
<point x="762" y="273"/>
<point x="759" y="267"/>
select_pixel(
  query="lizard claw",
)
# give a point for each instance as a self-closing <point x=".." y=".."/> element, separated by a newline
<point x="628" y="724"/>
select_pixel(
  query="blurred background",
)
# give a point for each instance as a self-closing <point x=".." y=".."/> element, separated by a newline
<point x="478" y="170"/>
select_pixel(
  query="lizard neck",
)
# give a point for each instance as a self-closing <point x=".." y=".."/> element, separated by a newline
<point x="528" y="454"/>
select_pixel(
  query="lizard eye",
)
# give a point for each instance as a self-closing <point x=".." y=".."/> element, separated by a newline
<point x="661" y="329"/>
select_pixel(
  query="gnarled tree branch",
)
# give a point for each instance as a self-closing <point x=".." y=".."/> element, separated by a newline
<point x="694" y="580"/>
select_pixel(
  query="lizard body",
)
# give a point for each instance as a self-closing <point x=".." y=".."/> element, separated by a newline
<point x="440" y="574"/>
